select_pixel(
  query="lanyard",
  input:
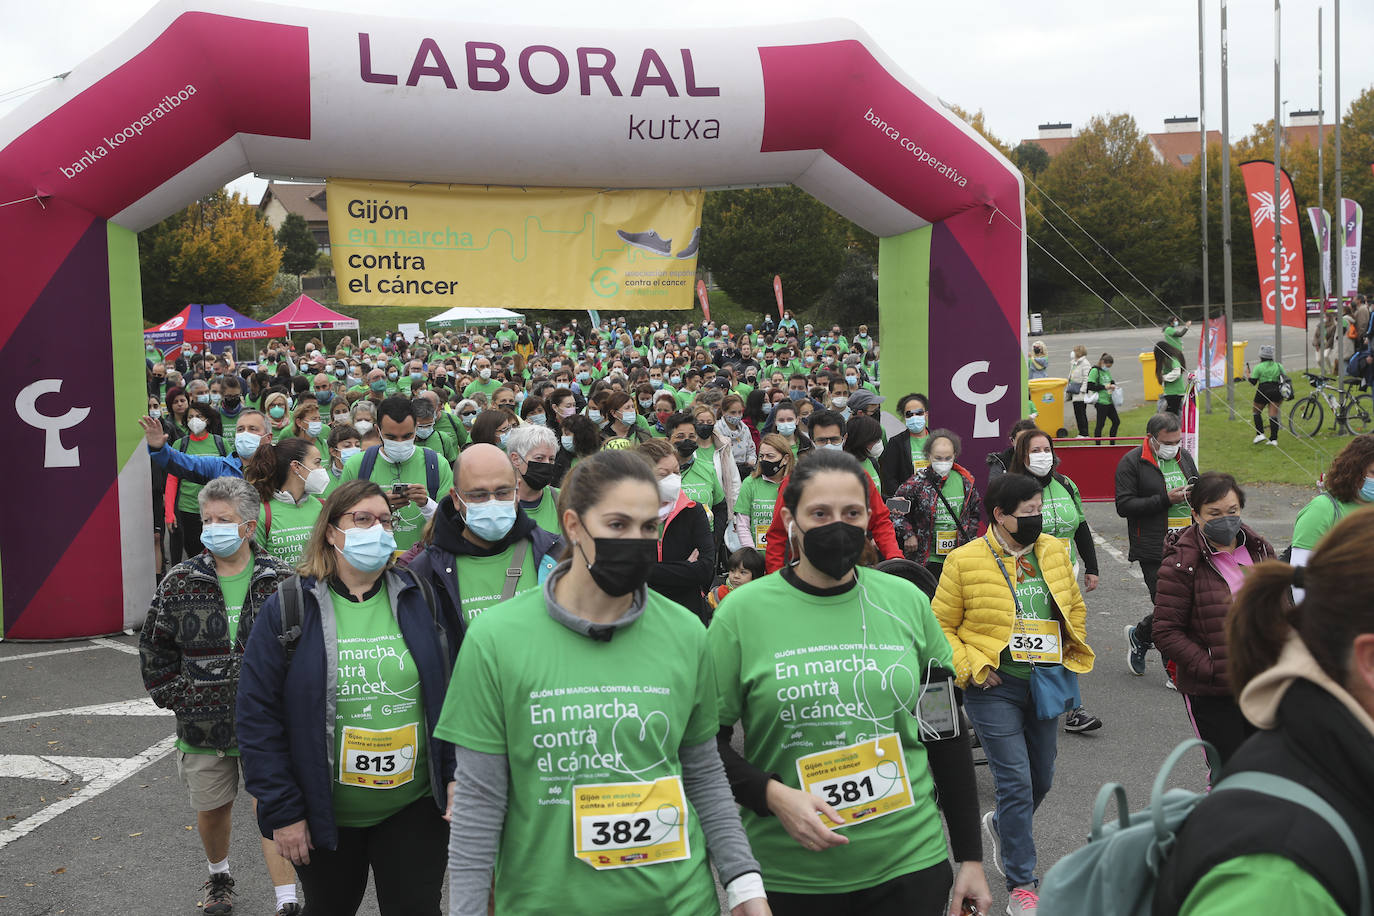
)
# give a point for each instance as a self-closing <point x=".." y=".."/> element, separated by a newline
<point x="1016" y="601"/>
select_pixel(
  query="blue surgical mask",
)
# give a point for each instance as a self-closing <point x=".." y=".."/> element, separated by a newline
<point x="503" y="439"/>
<point x="853" y="381"/>
<point x="368" y="549"/>
<point x="787" y="427"/>
<point x="834" y="446"/>
<point x="538" y="419"/>
<point x="221" y="540"/>
<point x="314" y="427"/>
<point x="1367" y="490"/>
<point x="566" y="442"/>
<point x="398" y="451"/>
<point x="246" y="444"/>
<point x="347" y="452"/>
<point x="916" y="424"/>
<point x="324" y="397"/>
<point x="492" y="520"/>
<point x="594" y="416"/>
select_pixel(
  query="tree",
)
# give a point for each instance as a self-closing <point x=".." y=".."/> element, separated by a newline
<point x="216" y="250"/>
<point x="299" y="250"/>
<point x="750" y="235"/>
<point x="1030" y="158"/>
<point x="853" y="298"/>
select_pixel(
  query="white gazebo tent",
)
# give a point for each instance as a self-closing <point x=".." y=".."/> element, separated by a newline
<point x="465" y="318"/>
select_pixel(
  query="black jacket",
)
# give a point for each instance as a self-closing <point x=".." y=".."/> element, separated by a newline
<point x="896" y="463"/>
<point x="1000" y="462"/>
<point x="674" y="577"/>
<point x="1319" y="744"/>
<point x="1142" y="499"/>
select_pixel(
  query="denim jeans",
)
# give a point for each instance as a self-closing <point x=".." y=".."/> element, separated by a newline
<point x="1020" y="749"/>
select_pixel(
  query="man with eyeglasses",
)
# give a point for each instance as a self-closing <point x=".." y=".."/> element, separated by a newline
<point x="485" y="549"/>
<point x="412" y="477"/>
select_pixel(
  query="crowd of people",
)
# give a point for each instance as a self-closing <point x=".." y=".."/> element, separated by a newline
<point x="435" y="602"/>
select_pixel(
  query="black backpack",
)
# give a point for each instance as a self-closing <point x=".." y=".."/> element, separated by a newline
<point x="431" y="468"/>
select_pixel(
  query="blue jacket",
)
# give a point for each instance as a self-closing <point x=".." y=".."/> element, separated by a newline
<point x="285" y="716"/>
<point x="196" y="468"/>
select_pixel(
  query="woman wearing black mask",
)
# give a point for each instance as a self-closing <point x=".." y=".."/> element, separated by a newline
<point x="1010" y="607"/>
<point x="1202" y="568"/>
<point x="573" y="699"/>
<point x="823" y="665"/>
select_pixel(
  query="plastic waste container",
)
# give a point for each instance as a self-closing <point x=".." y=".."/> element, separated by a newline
<point x="1047" y="395"/>
<point x="1153" y="390"/>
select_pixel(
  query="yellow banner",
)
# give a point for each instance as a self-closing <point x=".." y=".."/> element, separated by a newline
<point x="519" y="248"/>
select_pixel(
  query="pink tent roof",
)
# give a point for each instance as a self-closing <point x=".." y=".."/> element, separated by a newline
<point x="305" y="314"/>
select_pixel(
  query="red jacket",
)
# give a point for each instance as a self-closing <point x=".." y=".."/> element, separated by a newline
<point x="879" y="527"/>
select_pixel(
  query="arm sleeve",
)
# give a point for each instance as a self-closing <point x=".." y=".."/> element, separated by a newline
<point x="689" y="573"/>
<point x="748" y="783"/>
<point x="703" y="778"/>
<point x="159" y="655"/>
<point x="1087" y="549"/>
<point x="901" y="524"/>
<point x="948" y="607"/>
<point x="195" y="468"/>
<point x="775" y="555"/>
<point x="880" y="524"/>
<point x="743" y="529"/>
<point x="1173" y="608"/>
<point x="951" y="766"/>
<point x="479" y="814"/>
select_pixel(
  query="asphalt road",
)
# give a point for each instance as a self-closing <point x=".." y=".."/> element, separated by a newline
<point x="96" y="820"/>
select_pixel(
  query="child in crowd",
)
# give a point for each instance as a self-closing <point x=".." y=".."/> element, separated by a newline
<point x="744" y="565"/>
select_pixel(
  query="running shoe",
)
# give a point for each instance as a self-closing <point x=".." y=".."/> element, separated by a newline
<point x="1023" y="900"/>
<point x="1080" y="720"/>
<point x="649" y="241"/>
<point x="691" y="250"/>
<point x="993" y="842"/>
<point x="219" y="895"/>
<point x="1135" y="652"/>
<point x="1260" y="438"/>
<point x="289" y="909"/>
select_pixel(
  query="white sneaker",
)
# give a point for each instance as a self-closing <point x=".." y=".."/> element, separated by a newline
<point x="1259" y="437"/>
<point x="994" y="843"/>
<point x="1274" y="442"/>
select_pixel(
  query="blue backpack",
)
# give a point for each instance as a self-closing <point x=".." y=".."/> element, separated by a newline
<point x="1116" y="872"/>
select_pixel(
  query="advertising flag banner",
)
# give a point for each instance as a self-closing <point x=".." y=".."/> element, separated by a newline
<point x="1352" y="216"/>
<point x="704" y="299"/>
<point x="1321" y="231"/>
<point x="1259" y="192"/>
<point x="777" y="293"/>
<point x="438" y="246"/>
<point x="1211" y="354"/>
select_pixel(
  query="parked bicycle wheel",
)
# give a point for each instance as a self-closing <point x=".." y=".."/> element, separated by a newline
<point x="1359" y="416"/>
<point x="1306" y="417"/>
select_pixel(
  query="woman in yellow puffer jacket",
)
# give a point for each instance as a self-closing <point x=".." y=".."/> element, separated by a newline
<point x="1013" y="582"/>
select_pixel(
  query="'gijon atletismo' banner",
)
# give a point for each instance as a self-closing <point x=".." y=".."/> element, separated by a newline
<point x="395" y="243"/>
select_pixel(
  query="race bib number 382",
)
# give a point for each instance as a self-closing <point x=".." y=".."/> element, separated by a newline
<point x="630" y="824"/>
<point x="856" y="781"/>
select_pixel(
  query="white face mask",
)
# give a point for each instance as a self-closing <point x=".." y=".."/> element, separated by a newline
<point x="942" y="467"/>
<point x="362" y="426"/>
<point x="196" y="425"/>
<point x="669" y="488"/>
<point x="1040" y="463"/>
<point x="316" y="481"/>
<point x="1167" y="452"/>
<point x="876" y="450"/>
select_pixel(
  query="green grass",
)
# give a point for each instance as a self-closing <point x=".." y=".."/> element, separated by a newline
<point x="1225" y="445"/>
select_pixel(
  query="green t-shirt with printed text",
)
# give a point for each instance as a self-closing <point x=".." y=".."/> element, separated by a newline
<point x="291" y="527"/>
<point x="409" y="520"/>
<point x="757" y="499"/>
<point x="700" y="482"/>
<point x="481" y="580"/>
<point x="1033" y="596"/>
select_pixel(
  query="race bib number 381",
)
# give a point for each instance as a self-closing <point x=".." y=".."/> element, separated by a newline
<point x="856" y="781"/>
<point x="629" y="824"/>
<point x="378" y="759"/>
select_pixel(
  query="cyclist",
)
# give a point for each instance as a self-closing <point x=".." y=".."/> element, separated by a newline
<point x="1267" y="378"/>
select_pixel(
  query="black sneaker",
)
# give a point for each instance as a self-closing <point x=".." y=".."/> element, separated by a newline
<point x="219" y="895"/>
<point x="289" y="909"/>
<point x="1080" y="720"/>
<point x="1135" y="652"/>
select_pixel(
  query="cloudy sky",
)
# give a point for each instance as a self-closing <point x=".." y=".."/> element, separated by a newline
<point x="1021" y="63"/>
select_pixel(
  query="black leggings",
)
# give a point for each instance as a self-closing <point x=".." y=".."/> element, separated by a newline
<point x="920" y="893"/>
<point x="407" y="852"/>
<point x="1173" y="403"/>
<point x="189" y="523"/>
<point x="1106" y="412"/>
<point x="1080" y="414"/>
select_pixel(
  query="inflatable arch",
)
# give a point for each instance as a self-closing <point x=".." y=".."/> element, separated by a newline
<point x="191" y="98"/>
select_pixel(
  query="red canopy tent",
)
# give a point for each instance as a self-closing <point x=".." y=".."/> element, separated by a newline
<point x="305" y="314"/>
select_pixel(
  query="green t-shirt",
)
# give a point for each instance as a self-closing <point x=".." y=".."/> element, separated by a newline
<point x="378" y="690"/>
<point x="441" y="442"/>
<point x="700" y="482"/>
<point x="946" y="525"/>
<point x="684" y="398"/>
<point x="291" y="527"/>
<point x="488" y="387"/>
<point x="235" y="590"/>
<point x="1181" y="515"/>
<point x="1063" y="514"/>
<point x="481" y="579"/>
<point x="1103" y="377"/>
<point x="571" y="711"/>
<point x="1318" y="517"/>
<point x="186" y="501"/>
<point x="1260" y="883"/>
<point x="1267" y="371"/>
<point x="807" y="674"/>
<point x="919" y="461"/>
<point x="1034" y="597"/>
<point x="871" y="466"/>
<point x="545" y="512"/>
<point x="409" y="521"/>
<point x="756" y="499"/>
<point x="1180" y="384"/>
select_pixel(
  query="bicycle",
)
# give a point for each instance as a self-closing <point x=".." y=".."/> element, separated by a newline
<point x="1352" y="413"/>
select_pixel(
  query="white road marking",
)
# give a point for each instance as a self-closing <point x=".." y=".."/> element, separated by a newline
<point x="29" y="655"/>
<point x="1118" y="556"/>
<point x="97" y="786"/>
<point x="111" y="644"/>
<point x="55" y="767"/>
<point x="140" y="707"/>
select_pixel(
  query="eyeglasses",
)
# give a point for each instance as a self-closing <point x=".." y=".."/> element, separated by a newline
<point x="505" y="495"/>
<point x="828" y="440"/>
<point x="364" y="519"/>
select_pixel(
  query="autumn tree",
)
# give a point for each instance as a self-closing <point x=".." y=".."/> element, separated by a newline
<point x="216" y="250"/>
<point x="299" y="250"/>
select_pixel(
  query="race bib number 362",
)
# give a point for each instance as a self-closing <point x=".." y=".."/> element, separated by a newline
<point x="630" y="824"/>
<point x="856" y="782"/>
<point x="1036" y="641"/>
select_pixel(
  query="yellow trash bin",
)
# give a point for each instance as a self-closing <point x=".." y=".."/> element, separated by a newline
<point x="1238" y="357"/>
<point x="1152" y="389"/>
<point x="1047" y="394"/>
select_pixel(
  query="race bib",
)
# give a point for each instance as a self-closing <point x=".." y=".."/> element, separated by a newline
<point x="630" y="824"/>
<point x="761" y="535"/>
<point x="945" y="542"/>
<point x="378" y="759"/>
<point x="1036" y="641"/>
<point x="856" y="782"/>
<point x="1180" y="521"/>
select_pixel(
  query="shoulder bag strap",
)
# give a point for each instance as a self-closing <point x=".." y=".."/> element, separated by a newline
<point x="517" y="563"/>
<point x="290" y="602"/>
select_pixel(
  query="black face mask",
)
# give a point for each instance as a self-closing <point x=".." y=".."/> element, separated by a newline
<point x="538" y="474"/>
<point x="685" y="448"/>
<point x="1028" y="528"/>
<point x="770" y="468"/>
<point x="231" y="402"/>
<point x="622" y="564"/>
<point x="835" y="548"/>
<point x="704" y="430"/>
